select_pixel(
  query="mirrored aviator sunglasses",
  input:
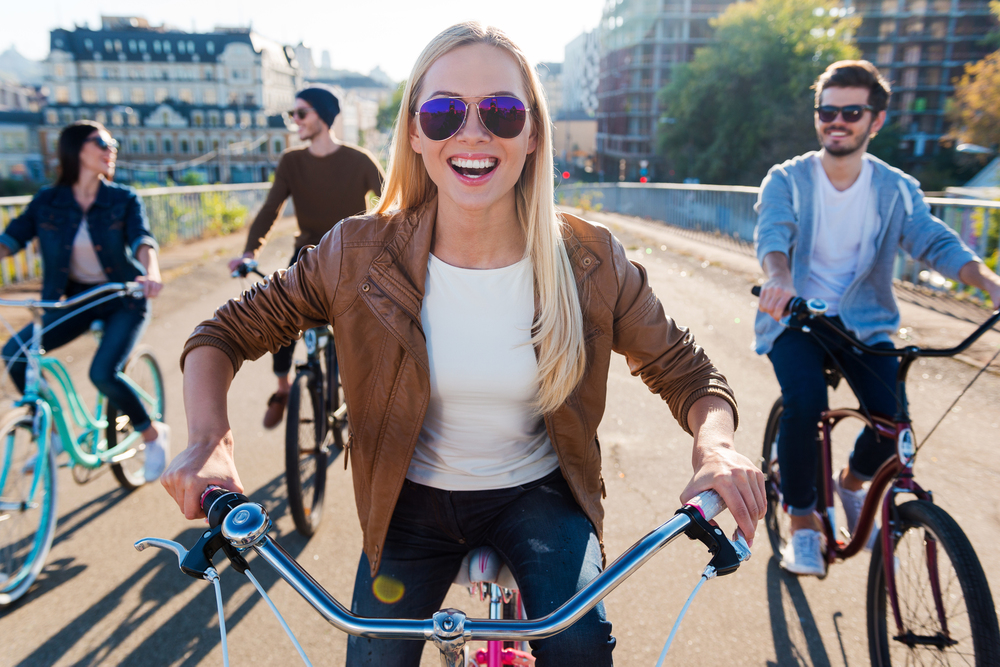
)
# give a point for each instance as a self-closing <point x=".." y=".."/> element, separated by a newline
<point x="441" y="118"/>
<point x="852" y="113"/>
<point x="104" y="145"/>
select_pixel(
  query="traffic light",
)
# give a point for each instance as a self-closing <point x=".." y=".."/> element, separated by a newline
<point x="565" y="174"/>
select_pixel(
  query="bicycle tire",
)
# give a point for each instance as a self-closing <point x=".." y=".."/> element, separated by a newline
<point x="971" y="620"/>
<point x="143" y="369"/>
<point x="305" y="453"/>
<point x="24" y="542"/>
<point x="776" y="520"/>
<point x="334" y="396"/>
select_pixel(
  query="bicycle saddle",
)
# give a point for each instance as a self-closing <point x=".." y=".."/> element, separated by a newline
<point x="484" y="565"/>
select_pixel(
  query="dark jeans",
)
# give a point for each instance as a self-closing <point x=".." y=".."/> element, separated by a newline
<point x="124" y="318"/>
<point x="538" y="529"/>
<point x="282" y="359"/>
<point x="798" y="359"/>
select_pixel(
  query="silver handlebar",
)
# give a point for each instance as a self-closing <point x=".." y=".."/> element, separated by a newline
<point x="131" y="289"/>
<point x="709" y="503"/>
<point x="245" y="527"/>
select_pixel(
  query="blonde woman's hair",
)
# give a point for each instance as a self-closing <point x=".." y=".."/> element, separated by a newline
<point x="557" y="331"/>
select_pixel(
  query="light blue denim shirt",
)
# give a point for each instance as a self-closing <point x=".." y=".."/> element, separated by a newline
<point x="787" y="214"/>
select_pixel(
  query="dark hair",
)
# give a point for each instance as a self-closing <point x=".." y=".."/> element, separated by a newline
<point x="855" y="74"/>
<point x="71" y="141"/>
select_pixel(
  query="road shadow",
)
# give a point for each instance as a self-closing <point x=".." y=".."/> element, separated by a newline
<point x="188" y="636"/>
<point x="58" y="572"/>
<point x="797" y="640"/>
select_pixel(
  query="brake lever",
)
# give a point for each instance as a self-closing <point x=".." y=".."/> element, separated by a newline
<point x="160" y="543"/>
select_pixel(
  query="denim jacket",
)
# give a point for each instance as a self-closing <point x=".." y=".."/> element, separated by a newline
<point x="118" y="227"/>
<point x="788" y="209"/>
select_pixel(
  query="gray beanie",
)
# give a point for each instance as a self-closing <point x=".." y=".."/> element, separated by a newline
<point x="323" y="101"/>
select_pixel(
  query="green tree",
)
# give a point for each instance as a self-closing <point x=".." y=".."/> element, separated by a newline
<point x="975" y="109"/>
<point x="744" y="103"/>
<point x="388" y="111"/>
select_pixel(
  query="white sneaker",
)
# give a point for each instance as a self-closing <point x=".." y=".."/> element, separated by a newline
<point x="803" y="554"/>
<point x="157" y="452"/>
<point x="852" y="502"/>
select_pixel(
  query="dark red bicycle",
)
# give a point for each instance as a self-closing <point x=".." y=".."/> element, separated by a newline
<point x="933" y="606"/>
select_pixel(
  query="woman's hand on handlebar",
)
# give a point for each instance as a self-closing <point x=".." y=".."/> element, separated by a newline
<point x="201" y="465"/>
<point x="718" y="466"/>
<point x="735" y="478"/>
<point x="151" y="285"/>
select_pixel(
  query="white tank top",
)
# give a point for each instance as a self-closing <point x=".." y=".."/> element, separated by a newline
<point x="84" y="265"/>
<point x="480" y="432"/>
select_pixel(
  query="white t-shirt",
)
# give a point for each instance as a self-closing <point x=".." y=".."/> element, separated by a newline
<point x="84" y="265"/>
<point x="480" y="432"/>
<point x="839" y="234"/>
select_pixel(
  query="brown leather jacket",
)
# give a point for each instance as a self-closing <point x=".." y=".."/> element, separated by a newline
<point x="366" y="277"/>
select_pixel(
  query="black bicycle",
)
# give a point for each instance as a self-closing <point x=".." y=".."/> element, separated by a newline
<point x="316" y="422"/>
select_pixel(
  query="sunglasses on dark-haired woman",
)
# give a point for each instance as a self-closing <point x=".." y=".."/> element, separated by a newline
<point x="102" y="143"/>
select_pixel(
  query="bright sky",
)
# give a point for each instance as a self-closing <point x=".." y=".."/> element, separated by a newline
<point x="359" y="34"/>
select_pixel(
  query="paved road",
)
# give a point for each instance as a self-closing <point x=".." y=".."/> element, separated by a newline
<point x="100" y="602"/>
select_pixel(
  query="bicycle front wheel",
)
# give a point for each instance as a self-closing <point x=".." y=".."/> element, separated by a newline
<point x="144" y="375"/>
<point x="776" y="520"/>
<point x="305" y="453"/>
<point x="944" y="600"/>
<point x="27" y="506"/>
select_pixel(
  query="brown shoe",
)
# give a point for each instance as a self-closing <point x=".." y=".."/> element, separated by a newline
<point x="275" y="410"/>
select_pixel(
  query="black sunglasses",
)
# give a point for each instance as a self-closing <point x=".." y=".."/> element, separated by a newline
<point x="442" y="117"/>
<point x="102" y="143"/>
<point x="299" y="114"/>
<point x="852" y="113"/>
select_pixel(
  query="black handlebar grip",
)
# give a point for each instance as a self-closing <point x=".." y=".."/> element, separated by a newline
<point x="210" y="495"/>
<point x="217" y="503"/>
<point x="755" y="290"/>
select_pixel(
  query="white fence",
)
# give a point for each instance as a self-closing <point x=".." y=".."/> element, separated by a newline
<point x="175" y="214"/>
<point x="727" y="212"/>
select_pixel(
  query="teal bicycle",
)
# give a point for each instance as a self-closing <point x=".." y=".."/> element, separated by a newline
<point x="28" y="458"/>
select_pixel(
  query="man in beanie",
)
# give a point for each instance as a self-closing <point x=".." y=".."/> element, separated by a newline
<point x="328" y="181"/>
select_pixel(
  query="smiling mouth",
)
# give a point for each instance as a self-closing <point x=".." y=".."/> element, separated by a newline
<point x="473" y="168"/>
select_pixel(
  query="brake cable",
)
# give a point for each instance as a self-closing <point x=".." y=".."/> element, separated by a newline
<point x="955" y="402"/>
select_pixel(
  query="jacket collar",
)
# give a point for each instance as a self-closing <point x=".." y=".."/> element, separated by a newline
<point x="400" y="270"/>
<point x="64" y="196"/>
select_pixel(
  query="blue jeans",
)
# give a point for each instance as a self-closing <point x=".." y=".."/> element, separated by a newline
<point x="798" y="359"/>
<point x="538" y="529"/>
<point x="124" y="318"/>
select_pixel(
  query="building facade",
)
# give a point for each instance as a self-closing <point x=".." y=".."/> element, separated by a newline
<point x="20" y="153"/>
<point x="922" y="46"/>
<point x="641" y="42"/>
<point x="581" y="74"/>
<point x="177" y="102"/>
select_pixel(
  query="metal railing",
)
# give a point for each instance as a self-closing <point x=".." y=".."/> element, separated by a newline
<point x="175" y="214"/>
<point x="726" y="213"/>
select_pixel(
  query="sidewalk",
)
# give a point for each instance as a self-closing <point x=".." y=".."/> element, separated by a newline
<point x="925" y="320"/>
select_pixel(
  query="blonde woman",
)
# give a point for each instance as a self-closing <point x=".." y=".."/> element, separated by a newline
<point x="474" y="325"/>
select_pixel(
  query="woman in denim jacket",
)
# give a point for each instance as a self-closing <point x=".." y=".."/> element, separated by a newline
<point x="92" y="231"/>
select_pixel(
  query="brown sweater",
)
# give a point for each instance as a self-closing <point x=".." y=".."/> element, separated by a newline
<point x="325" y="190"/>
